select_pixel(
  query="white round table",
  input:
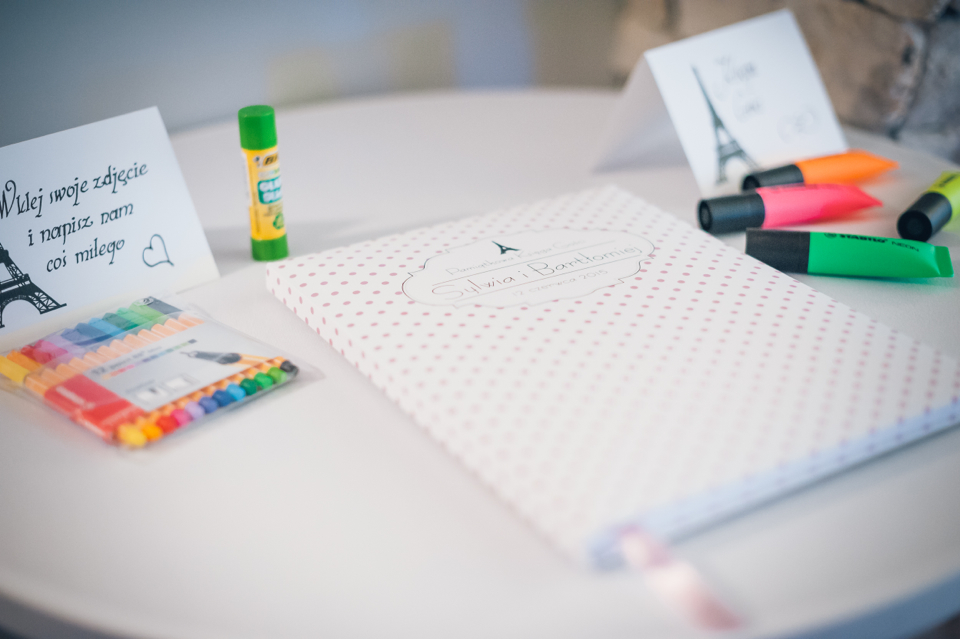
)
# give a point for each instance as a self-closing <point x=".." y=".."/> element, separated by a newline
<point x="322" y="510"/>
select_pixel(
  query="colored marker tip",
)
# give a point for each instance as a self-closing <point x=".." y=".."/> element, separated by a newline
<point x="865" y="200"/>
<point x="848" y="198"/>
<point x="872" y="163"/>
<point x="853" y="166"/>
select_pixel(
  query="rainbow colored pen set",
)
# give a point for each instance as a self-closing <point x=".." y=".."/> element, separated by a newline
<point x="143" y="371"/>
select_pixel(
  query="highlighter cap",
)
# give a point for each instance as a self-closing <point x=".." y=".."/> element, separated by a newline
<point x="925" y="217"/>
<point x="258" y="127"/>
<point x="731" y="213"/>
<point x="790" y="174"/>
<point x="787" y="251"/>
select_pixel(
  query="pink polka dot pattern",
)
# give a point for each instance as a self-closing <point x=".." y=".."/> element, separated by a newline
<point x="703" y="384"/>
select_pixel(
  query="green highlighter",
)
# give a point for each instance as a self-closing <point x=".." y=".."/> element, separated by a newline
<point x="850" y="255"/>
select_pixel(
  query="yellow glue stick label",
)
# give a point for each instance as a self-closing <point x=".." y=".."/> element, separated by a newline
<point x="262" y="170"/>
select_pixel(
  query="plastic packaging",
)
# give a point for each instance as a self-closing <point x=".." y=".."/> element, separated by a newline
<point x="143" y="371"/>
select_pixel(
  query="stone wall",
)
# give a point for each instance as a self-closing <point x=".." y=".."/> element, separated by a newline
<point x="890" y="66"/>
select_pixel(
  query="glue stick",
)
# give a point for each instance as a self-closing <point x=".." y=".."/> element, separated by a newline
<point x="258" y="139"/>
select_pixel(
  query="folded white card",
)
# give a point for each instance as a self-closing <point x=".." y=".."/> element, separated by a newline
<point x="736" y="99"/>
<point x="602" y="365"/>
<point x="91" y="213"/>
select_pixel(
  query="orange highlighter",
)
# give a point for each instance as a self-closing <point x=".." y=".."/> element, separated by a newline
<point x="851" y="166"/>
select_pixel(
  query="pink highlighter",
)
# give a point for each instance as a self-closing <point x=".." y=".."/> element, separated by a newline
<point x="773" y="206"/>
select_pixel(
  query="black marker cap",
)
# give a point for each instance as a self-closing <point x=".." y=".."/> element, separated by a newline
<point x="288" y="367"/>
<point x="783" y="250"/>
<point x="925" y="217"/>
<point x="731" y="213"/>
<point x="789" y="174"/>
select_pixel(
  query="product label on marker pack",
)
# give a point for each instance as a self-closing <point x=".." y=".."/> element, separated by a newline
<point x="178" y="365"/>
<point x="262" y="171"/>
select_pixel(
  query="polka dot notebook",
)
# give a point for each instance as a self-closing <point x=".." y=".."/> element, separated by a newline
<point x="601" y="365"/>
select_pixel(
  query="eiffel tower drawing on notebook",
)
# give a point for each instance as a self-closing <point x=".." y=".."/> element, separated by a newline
<point x="727" y="146"/>
<point x="19" y="287"/>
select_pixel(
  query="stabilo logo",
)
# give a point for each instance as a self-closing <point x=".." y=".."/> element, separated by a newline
<point x="946" y="179"/>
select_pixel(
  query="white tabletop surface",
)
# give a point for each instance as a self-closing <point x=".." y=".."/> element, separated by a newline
<point x="323" y="511"/>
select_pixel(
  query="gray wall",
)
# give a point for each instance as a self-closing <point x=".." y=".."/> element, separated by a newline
<point x="70" y="63"/>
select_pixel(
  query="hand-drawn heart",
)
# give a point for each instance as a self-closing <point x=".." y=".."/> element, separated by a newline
<point x="153" y="255"/>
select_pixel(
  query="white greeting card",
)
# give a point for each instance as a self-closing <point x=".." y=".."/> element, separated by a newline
<point x="736" y="99"/>
<point x="604" y="367"/>
<point x="91" y="213"/>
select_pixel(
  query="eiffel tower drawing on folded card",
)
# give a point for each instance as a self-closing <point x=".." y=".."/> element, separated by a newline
<point x="19" y="287"/>
<point x="727" y="146"/>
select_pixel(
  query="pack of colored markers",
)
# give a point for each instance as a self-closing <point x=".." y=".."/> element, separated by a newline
<point x="144" y="371"/>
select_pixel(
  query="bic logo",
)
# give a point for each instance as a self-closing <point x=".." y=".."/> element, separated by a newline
<point x="266" y="160"/>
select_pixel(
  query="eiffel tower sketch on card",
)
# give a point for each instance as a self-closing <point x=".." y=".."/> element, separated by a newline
<point x="19" y="287"/>
<point x="727" y="146"/>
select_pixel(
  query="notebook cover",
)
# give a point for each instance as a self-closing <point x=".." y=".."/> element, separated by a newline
<point x="600" y="364"/>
